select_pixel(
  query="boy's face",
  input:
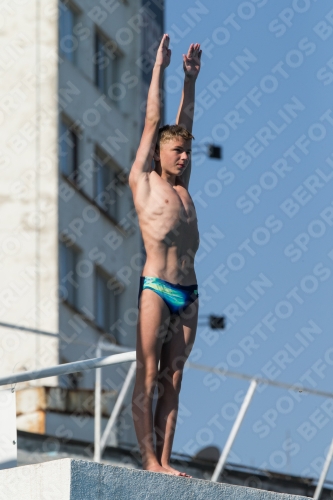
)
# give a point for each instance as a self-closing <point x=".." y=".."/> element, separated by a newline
<point x="175" y="155"/>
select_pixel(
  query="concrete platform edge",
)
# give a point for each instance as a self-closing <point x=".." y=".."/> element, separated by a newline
<point x="70" y="479"/>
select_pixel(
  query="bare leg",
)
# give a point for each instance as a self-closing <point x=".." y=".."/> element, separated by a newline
<point x="175" y="351"/>
<point x="153" y="322"/>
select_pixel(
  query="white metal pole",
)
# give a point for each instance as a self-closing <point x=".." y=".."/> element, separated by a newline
<point x="8" y="454"/>
<point x="117" y="407"/>
<point x="222" y="460"/>
<point x="97" y="420"/>
<point x="324" y="472"/>
<point x="76" y="366"/>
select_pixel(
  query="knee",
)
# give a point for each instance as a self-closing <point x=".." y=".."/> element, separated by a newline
<point x="171" y="381"/>
<point x="177" y="380"/>
<point x="143" y="392"/>
<point x="145" y="382"/>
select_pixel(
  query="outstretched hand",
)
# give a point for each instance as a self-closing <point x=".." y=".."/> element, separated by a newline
<point x="163" y="55"/>
<point x="192" y="61"/>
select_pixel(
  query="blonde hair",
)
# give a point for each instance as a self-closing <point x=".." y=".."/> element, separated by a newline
<point x="169" y="132"/>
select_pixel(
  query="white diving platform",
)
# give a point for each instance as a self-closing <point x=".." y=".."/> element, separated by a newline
<point x="69" y="479"/>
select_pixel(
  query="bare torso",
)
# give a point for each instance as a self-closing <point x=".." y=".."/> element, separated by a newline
<point x="169" y="227"/>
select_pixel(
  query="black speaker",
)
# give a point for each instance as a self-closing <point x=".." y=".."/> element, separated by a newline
<point x="214" y="152"/>
<point x="216" y="322"/>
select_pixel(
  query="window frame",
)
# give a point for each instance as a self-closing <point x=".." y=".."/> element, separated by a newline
<point x="74" y="137"/>
<point x="114" y="62"/>
<point x="68" y="246"/>
<point x="116" y="175"/>
<point x="75" y="12"/>
<point x="108" y="321"/>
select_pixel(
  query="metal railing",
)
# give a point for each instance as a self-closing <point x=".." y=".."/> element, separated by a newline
<point x="254" y="381"/>
<point x="66" y="368"/>
<point x="100" y="441"/>
<point x="123" y="355"/>
<point x="233" y="433"/>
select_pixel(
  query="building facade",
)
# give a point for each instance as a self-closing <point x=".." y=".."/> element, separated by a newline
<point x="74" y="79"/>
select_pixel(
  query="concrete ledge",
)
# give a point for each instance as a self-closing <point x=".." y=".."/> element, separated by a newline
<point x="69" y="479"/>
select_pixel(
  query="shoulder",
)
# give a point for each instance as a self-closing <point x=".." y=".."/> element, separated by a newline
<point x="137" y="178"/>
<point x="143" y="186"/>
<point x="139" y="185"/>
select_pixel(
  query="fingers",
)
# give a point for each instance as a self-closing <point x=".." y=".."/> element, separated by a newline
<point x="190" y="50"/>
<point x="194" y="50"/>
<point x="165" y="41"/>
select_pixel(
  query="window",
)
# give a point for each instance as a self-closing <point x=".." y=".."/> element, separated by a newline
<point x="68" y="259"/>
<point x="68" y="151"/>
<point x="107" y="60"/>
<point x="106" y="305"/>
<point x="67" y="41"/>
<point x="107" y="185"/>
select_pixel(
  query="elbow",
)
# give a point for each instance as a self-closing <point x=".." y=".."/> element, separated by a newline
<point x="153" y="121"/>
<point x="132" y="181"/>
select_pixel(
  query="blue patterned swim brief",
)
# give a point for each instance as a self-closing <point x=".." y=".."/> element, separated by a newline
<point x="176" y="297"/>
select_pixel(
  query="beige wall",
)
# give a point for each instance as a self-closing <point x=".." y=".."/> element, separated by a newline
<point x="28" y="242"/>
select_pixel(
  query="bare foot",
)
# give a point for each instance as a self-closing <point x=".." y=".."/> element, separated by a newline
<point x="158" y="468"/>
<point x="175" y="472"/>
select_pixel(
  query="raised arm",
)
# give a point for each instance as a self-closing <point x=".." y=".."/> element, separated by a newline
<point x="191" y="65"/>
<point x="143" y="161"/>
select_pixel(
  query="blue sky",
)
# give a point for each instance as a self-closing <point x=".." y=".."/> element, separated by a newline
<point x="265" y="218"/>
